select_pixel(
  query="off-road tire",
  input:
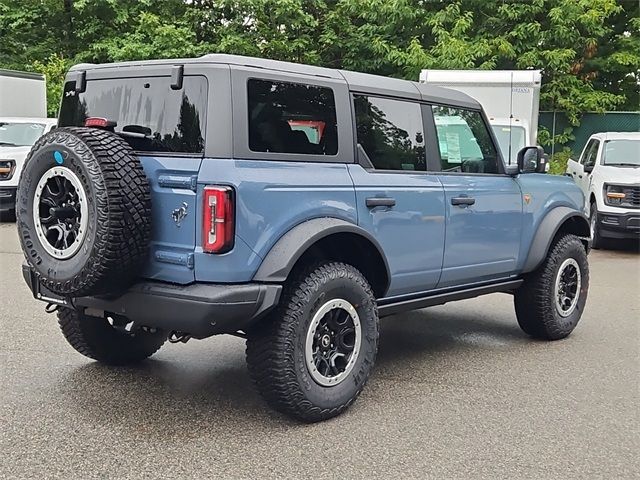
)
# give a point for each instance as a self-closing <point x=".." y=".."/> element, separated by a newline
<point x="118" y="229"/>
<point x="96" y="338"/>
<point x="596" y="238"/>
<point x="275" y="348"/>
<point x="535" y="302"/>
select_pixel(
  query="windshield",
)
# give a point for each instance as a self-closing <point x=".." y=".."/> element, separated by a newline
<point x="14" y="134"/>
<point x="517" y="141"/>
<point x="621" y="152"/>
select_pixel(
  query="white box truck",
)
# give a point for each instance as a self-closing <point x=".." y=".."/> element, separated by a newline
<point x="510" y="98"/>
<point x="22" y="94"/>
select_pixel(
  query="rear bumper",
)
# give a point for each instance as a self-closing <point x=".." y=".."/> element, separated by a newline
<point x="200" y="309"/>
<point x="619" y="225"/>
<point x="7" y="198"/>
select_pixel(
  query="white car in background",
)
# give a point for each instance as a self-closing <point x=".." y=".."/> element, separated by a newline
<point x="17" y="135"/>
<point x="608" y="172"/>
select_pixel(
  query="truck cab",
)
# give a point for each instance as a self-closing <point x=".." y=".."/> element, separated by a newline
<point x="608" y="173"/>
<point x="17" y="136"/>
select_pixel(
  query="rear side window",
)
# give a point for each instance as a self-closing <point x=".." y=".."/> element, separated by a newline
<point x="147" y="113"/>
<point x="291" y="118"/>
<point x="464" y="141"/>
<point x="390" y="132"/>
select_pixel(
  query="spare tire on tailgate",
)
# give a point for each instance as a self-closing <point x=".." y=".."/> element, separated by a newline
<point x="84" y="212"/>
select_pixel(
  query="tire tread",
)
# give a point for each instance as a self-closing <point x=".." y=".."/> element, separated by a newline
<point x="271" y="346"/>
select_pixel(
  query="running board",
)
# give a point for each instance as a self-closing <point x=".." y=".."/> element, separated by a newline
<point x="405" y="303"/>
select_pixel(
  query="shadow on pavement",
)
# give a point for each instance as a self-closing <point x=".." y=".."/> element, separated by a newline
<point x="425" y="333"/>
<point x="168" y="398"/>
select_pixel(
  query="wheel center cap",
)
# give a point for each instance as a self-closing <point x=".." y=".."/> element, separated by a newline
<point x="325" y="340"/>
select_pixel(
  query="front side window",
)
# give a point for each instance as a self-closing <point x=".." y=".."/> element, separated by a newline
<point x="390" y="132"/>
<point x="289" y="117"/>
<point x="592" y="154"/>
<point x="464" y="141"/>
<point x="586" y="151"/>
<point x="146" y="111"/>
<point x="19" y="134"/>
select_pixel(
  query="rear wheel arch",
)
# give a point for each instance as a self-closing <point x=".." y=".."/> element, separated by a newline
<point x="327" y="239"/>
<point x="560" y="220"/>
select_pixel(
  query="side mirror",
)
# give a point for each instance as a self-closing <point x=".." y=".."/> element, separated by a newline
<point x="588" y="167"/>
<point x="532" y="160"/>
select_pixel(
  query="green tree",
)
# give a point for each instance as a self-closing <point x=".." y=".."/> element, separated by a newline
<point x="54" y="69"/>
<point x="588" y="50"/>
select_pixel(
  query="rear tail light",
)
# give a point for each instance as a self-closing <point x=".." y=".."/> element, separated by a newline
<point x="218" y="221"/>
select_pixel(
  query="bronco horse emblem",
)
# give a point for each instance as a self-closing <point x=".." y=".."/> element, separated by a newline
<point x="179" y="213"/>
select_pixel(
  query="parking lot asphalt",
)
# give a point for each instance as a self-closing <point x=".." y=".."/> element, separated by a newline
<point x="458" y="392"/>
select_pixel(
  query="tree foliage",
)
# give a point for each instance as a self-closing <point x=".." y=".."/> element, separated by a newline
<point x="588" y="50"/>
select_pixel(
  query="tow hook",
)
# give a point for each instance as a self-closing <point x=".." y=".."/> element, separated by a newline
<point x="179" y="337"/>
<point x="51" y="307"/>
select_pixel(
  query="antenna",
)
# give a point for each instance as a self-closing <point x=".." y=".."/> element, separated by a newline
<point x="510" y="115"/>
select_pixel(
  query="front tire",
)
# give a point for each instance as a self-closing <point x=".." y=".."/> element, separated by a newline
<point x="596" y="237"/>
<point x="312" y="358"/>
<point x="551" y="300"/>
<point x="97" y="339"/>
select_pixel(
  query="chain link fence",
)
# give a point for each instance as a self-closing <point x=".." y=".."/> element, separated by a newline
<point x="590" y="123"/>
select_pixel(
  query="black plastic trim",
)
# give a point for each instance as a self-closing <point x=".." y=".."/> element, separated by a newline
<point x="177" y="75"/>
<point x="546" y="232"/>
<point x="627" y="226"/>
<point x="292" y="245"/>
<point x="405" y="303"/>
<point x="199" y="309"/>
<point x="8" y="201"/>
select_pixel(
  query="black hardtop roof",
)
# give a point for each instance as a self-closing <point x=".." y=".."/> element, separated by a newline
<point x="358" y="82"/>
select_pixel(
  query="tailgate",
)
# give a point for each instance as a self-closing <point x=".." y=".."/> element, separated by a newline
<point x="173" y="218"/>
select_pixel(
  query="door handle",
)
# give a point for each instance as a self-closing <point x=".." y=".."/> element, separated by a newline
<point x="579" y="176"/>
<point x="463" y="201"/>
<point x="373" y="202"/>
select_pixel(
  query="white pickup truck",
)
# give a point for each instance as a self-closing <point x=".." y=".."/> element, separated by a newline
<point x="608" y="172"/>
<point x="17" y="135"/>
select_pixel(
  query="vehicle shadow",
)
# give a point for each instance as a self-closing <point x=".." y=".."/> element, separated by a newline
<point x="431" y="333"/>
<point x="182" y="395"/>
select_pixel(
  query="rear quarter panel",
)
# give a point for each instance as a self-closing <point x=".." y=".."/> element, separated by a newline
<point x="271" y="198"/>
<point x="541" y="194"/>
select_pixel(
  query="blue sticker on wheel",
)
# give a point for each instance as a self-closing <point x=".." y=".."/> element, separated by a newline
<point x="58" y="157"/>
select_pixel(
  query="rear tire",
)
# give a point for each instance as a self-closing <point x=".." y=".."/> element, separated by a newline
<point x="312" y="358"/>
<point x="96" y="338"/>
<point x="551" y="300"/>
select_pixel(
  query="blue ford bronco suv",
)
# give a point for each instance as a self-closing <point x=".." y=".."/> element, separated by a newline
<point x="290" y="205"/>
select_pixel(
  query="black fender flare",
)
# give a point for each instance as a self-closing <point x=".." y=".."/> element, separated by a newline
<point x="547" y="230"/>
<point x="280" y="260"/>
